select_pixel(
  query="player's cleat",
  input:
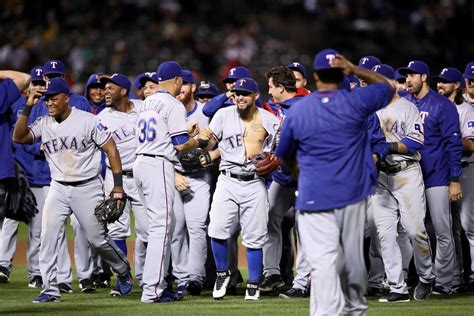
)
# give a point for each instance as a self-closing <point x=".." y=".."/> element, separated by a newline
<point x="252" y="293"/>
<point x="374" y="292"/>
<point x="45" y="298"/>
<point x="36" y="282"/>
<point x="422" y="291"/>
<point x="180" y="292"/>
<point x="441" y="290"/>
<point x="271" y="283"/>
<point x="394" y="298"/>
<point x="87" y="286"/>
<point x="102" y="280"/>
<point x="194" y="288"/>
<point x="125" y="284"/>
<point x="4" y="275"/>
<point x="468" y="289"/>
<point x="235" y="281"/>
<point x="294" y="293"/>
<point x="220" y="287"/>
<point x="115" y="291"/>
<point x="64" y="288"/>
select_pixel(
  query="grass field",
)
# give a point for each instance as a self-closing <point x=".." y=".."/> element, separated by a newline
<point x="15" y="299"/>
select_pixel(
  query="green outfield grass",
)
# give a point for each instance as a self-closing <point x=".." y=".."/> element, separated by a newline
<point x="15" y="299"/>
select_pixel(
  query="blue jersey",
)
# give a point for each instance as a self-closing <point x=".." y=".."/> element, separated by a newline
<point x="222" y="101"/>
<point x="378" y="142"/>
<point x="9" y="93"/>
<point x="442" y="151"/>
<point x="327" y="131"/>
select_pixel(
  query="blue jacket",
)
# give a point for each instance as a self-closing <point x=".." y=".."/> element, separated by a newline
<point x="9" y="93"/>
<point x="442" y="151"/>
<point x="327" y="132"/>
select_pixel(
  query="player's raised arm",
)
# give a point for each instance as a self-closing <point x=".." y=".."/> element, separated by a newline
<point x="21" y="133"/>
<point x="20" y="79"/>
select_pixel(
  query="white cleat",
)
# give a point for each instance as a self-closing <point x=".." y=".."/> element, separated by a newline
<point x="252" y="293"/>
<point x="220" y="287"/>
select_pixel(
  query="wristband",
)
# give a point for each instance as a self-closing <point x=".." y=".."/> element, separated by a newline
<point x="26" y="110"/>
<point x="203" y="143"/>
<point x="392" y="148"/>
<point x="454" y="179"/>
<point x="118" y="182"/>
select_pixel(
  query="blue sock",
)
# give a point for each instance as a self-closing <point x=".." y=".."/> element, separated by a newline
<point x="220" y="248"/>
<point x="255" y="264"/>
<point x="122" y="244"/>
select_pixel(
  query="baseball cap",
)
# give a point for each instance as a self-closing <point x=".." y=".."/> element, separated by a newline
<point x="322" y="59"/>
<point x="55" y="86"/>
<point x="298" y="67"/>
<point x="398" y="75"/>
<point x="37" y="74"/>
<point x="168" y="70"/>
<point x="469" y="71"/>
<point x="119" y="80"/>
<point x="449" y="74"/>
<point x="368" y="62"/>
<point x="188" y="77"/>
<point x="415" y="66"/>
<point x="384" y="70"/>
<point x="53" y="67"/>
<point x="148" y="76"/>
<point x="136" y="83"/>
<point x="246" y="84"/>
<point x="236" y="73"/>
<point x="207" y="88"/>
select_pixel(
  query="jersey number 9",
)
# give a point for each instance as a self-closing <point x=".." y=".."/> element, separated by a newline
<point x="147" y="130"/>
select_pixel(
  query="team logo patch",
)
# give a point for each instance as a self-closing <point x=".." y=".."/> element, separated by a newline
<point x="101" y="127"/>
<point x="470" y="124"/>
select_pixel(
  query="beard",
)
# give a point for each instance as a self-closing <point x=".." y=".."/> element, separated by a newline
<point x="244" y="113"/>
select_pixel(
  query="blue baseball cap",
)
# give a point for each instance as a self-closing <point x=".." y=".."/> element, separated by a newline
<point x="246" y="84"/>
<point x="449" y="74"/>
<point x="398" y="75"/>
<point x="236" y="73"/>
<point x="207" y="88"/>
<point x="323" y="58"/>
<point x="53" y="67"/>
<point x="168" y="70"/>
<point x="148" y="76"/>
<point x="384" y="70"/>
<point x="55" y="86"/>
<point x="469" y="71"/>
<point x="298" y="67"/>
<point x="368" y="62"/>
<point x="37" y="74"/>
<point x="136" y="83"/>
<point x="119" y="80"/>
<point x="415" y="66"/>
<point x="188" y="77"/>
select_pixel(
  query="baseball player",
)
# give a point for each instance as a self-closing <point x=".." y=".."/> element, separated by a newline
<point x="394" y="202"/>
<point x="449" y="84"/>
<point x="367" y="62"/>
<point x="281" y="194"/>
<point x="11" y="85"/>
<point x="121" y="117"/>
<point x="206" y="91"/>
<point x="191" y="206"/>
<point x="150" y="83"/>
<point x="441" y="166"/>
<point x="467" y="216"/>
<point x="162" y="131"/>
<point x="299" y="70"/>
<point x="327" y="133"/>
<point x="72" y="151"/>
<point x="401" y="81"/>
<point x="39" y="179"/>
<point x="139" y="87"/>
<point x="242" y="132"/>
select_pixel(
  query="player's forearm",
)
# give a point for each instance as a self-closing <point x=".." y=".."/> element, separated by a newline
<point x="115" y="163"/>
<point x="21" y="132"/>
<point x="372" y="77"/>
<point x="191" y="144"/>
<point x="468" y="145"/>
<point x="22" y="80"/>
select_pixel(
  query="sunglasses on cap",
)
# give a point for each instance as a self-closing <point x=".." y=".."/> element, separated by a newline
<point x="242" y="93"/>
<point x="469" y="81"/>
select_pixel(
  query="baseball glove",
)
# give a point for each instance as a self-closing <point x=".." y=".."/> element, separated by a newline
<point x="111" y="208"/>
<point x="190" y="160"/>
<point x="18" y="201"/>
<point x="266" y="163"/>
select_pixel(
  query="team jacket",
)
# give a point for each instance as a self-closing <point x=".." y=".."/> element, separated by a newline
<point x="441" y="154"/>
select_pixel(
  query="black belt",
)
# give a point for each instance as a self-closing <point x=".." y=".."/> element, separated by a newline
<point x="401" y="165"/>
<point x="77" y="183"/>
<point x="152" y="156"/>
<point x="466" y="164"/>
<point x="126" y="173"/>
<point x="240" y="176"/>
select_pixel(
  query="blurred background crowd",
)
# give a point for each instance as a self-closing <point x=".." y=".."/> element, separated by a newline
<point x="133" y="36"/>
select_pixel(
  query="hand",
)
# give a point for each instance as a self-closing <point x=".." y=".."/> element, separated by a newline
<point x="181" y="182"/>
<point x="229" y="94"/>
<point x="193" y="129"/>
<point x="205" y="134"/>
<point x="34" y="94"/>
<point x="454" y="191"/>
<point x="341" y="62"/>
<point x="376" y="158"/>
